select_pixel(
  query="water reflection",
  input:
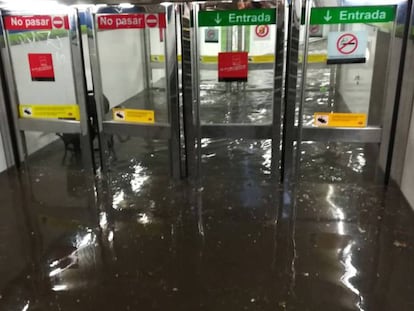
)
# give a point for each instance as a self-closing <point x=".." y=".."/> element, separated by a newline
<point x="350" y="273"/>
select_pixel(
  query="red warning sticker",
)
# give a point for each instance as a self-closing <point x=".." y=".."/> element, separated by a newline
<point x="36" y="22"/>
<point x="232" y="66"/>
<point x="41" y="67"/>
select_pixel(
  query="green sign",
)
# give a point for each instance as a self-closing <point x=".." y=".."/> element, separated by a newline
<point x="237" y="17"/>
<point x="352" y="14"/>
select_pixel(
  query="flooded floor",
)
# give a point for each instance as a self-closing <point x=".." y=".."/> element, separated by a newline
<point x="134" y="239"/>
<point x="234" y="241"/>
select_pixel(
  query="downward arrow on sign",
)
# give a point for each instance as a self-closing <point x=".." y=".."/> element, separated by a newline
<point x="328" y="16"/>
<point x="218" y="19"/>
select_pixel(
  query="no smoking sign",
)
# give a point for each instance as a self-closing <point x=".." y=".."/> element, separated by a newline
<point x="347" y="47"/>
<point x="347" y="44"/>
<point x="262" y="32"/>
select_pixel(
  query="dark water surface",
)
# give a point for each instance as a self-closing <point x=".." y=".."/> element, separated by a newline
<point x="234" y="240"/>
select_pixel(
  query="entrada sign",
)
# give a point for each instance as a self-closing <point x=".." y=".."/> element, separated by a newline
<point x="354" y="14"/>
<point x="237" y="17"/>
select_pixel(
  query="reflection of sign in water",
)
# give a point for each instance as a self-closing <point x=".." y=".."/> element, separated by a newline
<point x="327" y="119"/>
<point x="133" y="115"/>
<point x="232" y="66"/>
<point x="41" y="67"/>
<point x="211" y="35"/>
<point x="262" y="32"/>
<point x="347" y="47"/>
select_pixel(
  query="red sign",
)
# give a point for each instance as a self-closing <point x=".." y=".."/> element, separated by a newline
<point x="36" y="22"/>
<point x="131" y="21"/>
<point x="262" y="31"/>
<point x="232" y="66"/>
<point x="41" y="67"/>
<point x="151" y="20"/>
<point x="347" y="43"/>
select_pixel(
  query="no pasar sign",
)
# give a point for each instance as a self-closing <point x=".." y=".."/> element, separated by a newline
<point x="131" y="21"/>
<point x="36" y="22"/>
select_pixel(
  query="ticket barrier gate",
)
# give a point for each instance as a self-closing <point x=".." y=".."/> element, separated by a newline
<point x="332" y="91"/>
<point x="137" y="105"/>
<point x="237" y="63"/>
<point x="135" y="99"/>
<point x="42" y="53"/>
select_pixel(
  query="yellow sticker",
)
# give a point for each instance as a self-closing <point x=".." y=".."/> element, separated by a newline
<point x="317" y="58"/>
<point x="66" y="112"/>
<point x="326" y="119"/>
<point x="157" y="58"/>
<point x="260" y="59"/>
<point x="209" y="59"/>
<point x="161" y="58"/>
<point x="257" y="59"/>
<point x="133" y="115"/>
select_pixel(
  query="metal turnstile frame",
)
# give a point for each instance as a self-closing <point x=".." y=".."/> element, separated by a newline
<point x="81" y="127"/>
<point x="294" y="131"/>
<point x="194" y="129"/>
<point x="169" y="131"/>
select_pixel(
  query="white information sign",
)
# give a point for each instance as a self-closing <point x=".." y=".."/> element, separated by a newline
<point x="347" y="47"/>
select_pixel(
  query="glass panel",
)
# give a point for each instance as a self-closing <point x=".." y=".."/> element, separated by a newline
<point x="42" y="62"/>
<point x="347" y="78"/>
<point x="128" y="80"/>
<point x="251" y="101"/>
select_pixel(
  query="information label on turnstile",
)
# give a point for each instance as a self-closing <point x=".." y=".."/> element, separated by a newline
<point x="64" y="112"/>
<point x="353" y="14"/>
<point x="133" y="115"/>
<point x="131" y="21"/>
<point x="237" y="17"/>
<point x="326" y="119"/>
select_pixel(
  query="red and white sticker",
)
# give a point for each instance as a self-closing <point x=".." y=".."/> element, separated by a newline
<point x="232" y="66"/>
<point x="131" y="21"/>
<point x="262" y="31"/>
<point x="36" y="22"/>
<point x="347" y="47"/>
<point x="347" y="43"/>
<point x="41" y="67"/>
